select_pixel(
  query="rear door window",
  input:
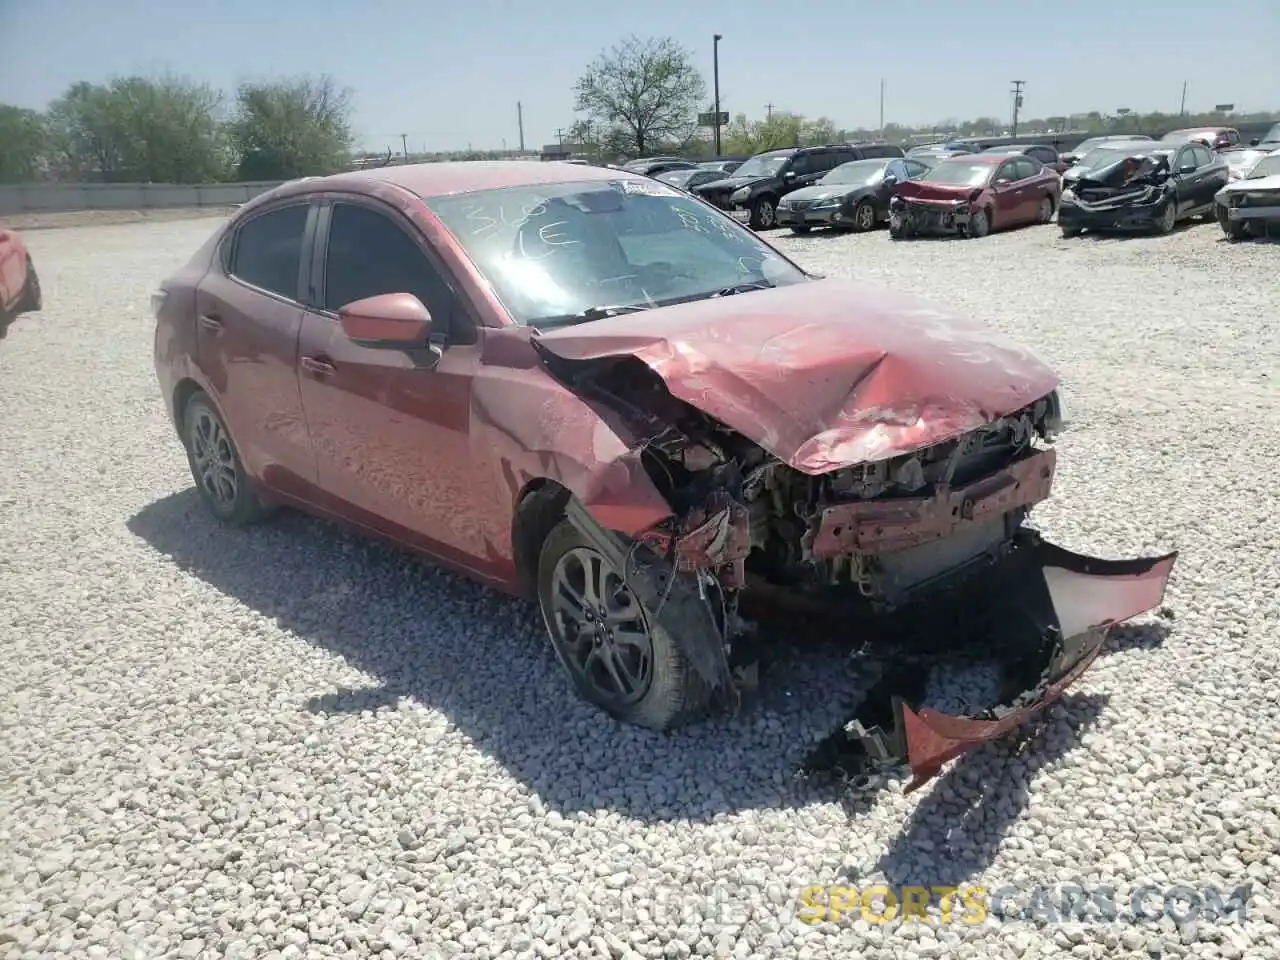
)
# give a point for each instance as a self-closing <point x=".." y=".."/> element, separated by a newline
<point x="1026" y="167"/>
<point x="1203" y="155"/>
<point x="267" y="252"/>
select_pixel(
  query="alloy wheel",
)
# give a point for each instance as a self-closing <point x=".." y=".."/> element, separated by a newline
<point x="214" y="459"/>
<point x="865" y="216"/>
<point x="600" y="630"/>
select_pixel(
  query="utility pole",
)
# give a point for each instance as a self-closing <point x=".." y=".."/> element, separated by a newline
<point x="768" y="111"/>
<point x="1182" y="107"/>
<point x="560" y="136"/>
<point x="1017" y="103"/>
<point x="520" y="121"/>
<point x="404" y="142"/>
<point x="715" y="73"/>
<point x="882" y="109"/>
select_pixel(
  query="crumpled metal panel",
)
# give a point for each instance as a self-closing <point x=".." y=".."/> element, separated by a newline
<point x="823" y="374"/>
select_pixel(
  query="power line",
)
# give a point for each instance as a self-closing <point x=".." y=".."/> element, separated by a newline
<point x="1017" y="103"/>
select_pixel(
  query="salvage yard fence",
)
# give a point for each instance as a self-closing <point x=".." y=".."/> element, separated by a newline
<point x="65" y="197"/>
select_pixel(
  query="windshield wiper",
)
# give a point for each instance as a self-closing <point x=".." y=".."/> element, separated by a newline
<point x="587" y="315"/>
<point x="744" y="288"/>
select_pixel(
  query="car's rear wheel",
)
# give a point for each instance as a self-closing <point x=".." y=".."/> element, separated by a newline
<point x="1045" y="213"/>
<point x="979" y="224"/>
<point x="620" y="655"/>
<point x="764" y="214"/>
<point x="32" y="296"/>
<point x="864" y="216"/>
<point x="215" y="465"/>
<point x="1168" y="217"/>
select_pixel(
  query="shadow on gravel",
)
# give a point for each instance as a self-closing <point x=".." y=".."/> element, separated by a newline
<point x="481" y="659"/>
<point x="957" y="829"/>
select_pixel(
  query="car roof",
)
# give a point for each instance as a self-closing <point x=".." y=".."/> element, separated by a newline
<point x="464" y="176"/>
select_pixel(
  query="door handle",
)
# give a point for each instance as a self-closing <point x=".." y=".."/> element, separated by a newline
<point x="211" y="322"/>
<point x="318" y="367"/>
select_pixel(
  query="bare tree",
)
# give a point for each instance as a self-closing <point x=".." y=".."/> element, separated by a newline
<point x="647" y="89"/>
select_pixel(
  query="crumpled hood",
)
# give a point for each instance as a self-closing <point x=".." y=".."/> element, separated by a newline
<point x="822" y="374"/>
<point x="927" y="191"/>
<point x="1259" y="184"/>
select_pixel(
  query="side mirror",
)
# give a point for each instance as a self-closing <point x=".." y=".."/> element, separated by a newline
<point x="1187" y="168"/>
<point x="395" y="321"/>
<point x="890" y="180"/>
<point x="1254" y="142"/>
<point x="789" y="176"/>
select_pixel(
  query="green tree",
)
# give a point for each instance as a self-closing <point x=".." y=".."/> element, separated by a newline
<point x="647" y="90"/>
<point x="24" y="144"/>
<point x="292" y="128"/>
<point x="164" y="130"/>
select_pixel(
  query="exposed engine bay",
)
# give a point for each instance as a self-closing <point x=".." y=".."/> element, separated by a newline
<point x="887" y="529"/>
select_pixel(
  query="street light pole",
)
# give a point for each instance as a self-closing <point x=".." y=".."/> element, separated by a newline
<point x="715" y="74"/>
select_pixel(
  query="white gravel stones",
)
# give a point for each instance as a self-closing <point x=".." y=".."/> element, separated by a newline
<point x="293" y="743"/>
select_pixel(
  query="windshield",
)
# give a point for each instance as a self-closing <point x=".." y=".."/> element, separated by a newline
<point x="761" y="166"/>
<point x="554" y="251"/>
<point x="1273" y="135"/>
<point x="859" y="172"/>
<point x="959" y="173"/>
<point x="677" y="177"/>
<point x="1242" y="160"/>
<point x="1267" y="167"/>
<point x="1105" y="156"/>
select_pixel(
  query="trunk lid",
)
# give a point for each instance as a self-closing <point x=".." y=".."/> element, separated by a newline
<point x="822" y="374"/>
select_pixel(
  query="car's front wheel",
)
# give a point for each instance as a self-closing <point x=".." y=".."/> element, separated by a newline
<point x="1168" y="217"/>
<point x="864" y="216"/>
<point x="979" y="224"/>
<point x="215" y="465"/>
<point x="620" y="655"/>
<point x="764" y="214"/>
<point x="1045" y="213"/>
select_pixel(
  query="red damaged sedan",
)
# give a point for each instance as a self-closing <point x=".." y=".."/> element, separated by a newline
<point x="19" y="283"/>
<point x="586" y="387"/>
<point x="974" y="195"/>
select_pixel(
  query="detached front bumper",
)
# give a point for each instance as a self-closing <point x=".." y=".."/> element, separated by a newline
<point x="1127" y="214"/>
<point x="1044" y="612"/>
<point x="908" y="217"/>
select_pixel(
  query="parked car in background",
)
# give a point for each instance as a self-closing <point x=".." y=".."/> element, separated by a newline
<point x="1073" y="156"/>
<point x="725" y="165"/>
<point x="752" y="193"/>
<point x="1150" y="188"/>
<point x="429" y="361"/>
<point x="941" y="150"/>
<point x="1216" y="138"/>
<point x="1269" y="142"/>
<point x="853" y="196"/>
<point x="1036" y="151"/>
<point x="19" y="283"/>
<point x="973" y="195"/>
<point x="688" y="179"/>
<point x="652" y="166"/>
<point x="1240" y="160"/>
<point x="1251" y="205"/>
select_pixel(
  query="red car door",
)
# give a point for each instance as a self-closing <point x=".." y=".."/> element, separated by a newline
<point x="248" y="316"/>
<point x="12" y="269"/>
<point x="392" y="439"/>
<point x="1010" y="202"/>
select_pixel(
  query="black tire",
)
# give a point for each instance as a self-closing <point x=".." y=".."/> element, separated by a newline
<point x="1234" y="229"/>
<point x="979" y="224"/>
<point x="224" y="486"/>
<point x="864" y="216"/>
<point x="1045" y="213"/>
<point x="800" y="230"/>
<point x="671" y="694"/>
<point x="32" y="296"/>
<point x="764" y="213"/>
<point x="1070" y="232"/>
<point x="1168" y="217"/>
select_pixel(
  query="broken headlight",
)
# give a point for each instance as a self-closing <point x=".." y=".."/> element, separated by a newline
<point x="1068" y="195"/>
<point x="740" y="195"/>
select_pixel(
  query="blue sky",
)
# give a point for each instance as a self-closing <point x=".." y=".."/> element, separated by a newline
<point x="449" y="74"/>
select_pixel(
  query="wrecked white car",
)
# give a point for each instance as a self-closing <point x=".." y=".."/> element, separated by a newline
<point x="1251" y="205"/>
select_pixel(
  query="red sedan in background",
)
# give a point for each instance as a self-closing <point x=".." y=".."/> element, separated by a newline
<point x="973" y="195"/>
<point x="19" y="284"/>
<point x="588" y="387"/>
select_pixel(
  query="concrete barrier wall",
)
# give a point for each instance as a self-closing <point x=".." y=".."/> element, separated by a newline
<point x="61" y="197"/>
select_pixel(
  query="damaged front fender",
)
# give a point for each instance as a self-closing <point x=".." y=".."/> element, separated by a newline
<point x="1050" y="613"/>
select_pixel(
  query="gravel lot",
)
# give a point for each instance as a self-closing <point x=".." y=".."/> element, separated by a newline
<point x="290" y="742"/>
